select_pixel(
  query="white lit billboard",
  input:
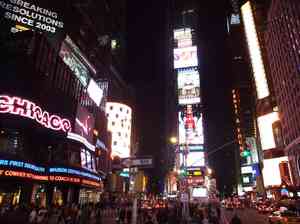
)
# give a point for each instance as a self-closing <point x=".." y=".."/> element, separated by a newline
<point x="266" y="130"/>
<point x="119" y="124"/>
<point x="95" y="92"/>
<point x="271" y="171"/>
<point x="183" y="37"/>
<point x="194" y="159"/>
<point x="188" y="86"/>
<point x="261" y="84"/>
<point x="185" y="57"/>
<point x="190" y="129"/>
<point x="199" y="192"/>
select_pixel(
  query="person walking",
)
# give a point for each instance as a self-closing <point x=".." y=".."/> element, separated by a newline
<point x="235" y="220"/>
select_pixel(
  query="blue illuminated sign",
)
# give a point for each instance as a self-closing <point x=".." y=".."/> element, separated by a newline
<point x="73" y="171"/>
<point x="15" y="163"/>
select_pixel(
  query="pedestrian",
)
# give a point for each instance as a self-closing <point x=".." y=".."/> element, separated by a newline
<point x="235" y="220"/>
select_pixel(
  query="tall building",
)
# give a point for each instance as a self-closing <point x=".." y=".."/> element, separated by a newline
<point x="283" y="48"/>
<point x="243" y="101"/>
<point x="59" y="72"/>
<point x="254" y="16"/>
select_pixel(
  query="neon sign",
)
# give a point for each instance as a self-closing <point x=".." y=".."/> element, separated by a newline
<point x="25" y="108"/>
<point x="13" y="173"/>
<point x="73" y="171"/>
<point x="15" y="163"/>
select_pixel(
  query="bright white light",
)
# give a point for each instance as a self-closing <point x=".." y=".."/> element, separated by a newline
<point x="266" y="130"/>
<point x="188" y="86"/>
<point x="185" y="57"/>
<point x="194" y="159"/>
<point x="199" y="192"/>
<point x="271" y="171"/>
<point x="262" y="88"/>
<point x="81" y="139"/>
<point x="247" y="189"/>
<point x="246" y="169"/>
<point x="119" y="124"/>
<point x="95" y="92"/>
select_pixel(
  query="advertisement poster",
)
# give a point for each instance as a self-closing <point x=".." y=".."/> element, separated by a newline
<point x="190" y="128"/>
<point x="185" y="57"/>
<point x="44" y="16"/>
<point x="188" y="86"/>
<point x="194" y="159"/>
<point x="84" y="124"/>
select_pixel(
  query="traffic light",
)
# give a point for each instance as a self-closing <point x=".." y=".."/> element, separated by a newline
<point x="246" y="153"/>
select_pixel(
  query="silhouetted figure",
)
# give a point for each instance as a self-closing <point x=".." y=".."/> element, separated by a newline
<point x="235" y="220"/>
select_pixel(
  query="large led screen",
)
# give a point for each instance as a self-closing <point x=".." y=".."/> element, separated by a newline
<point x="190" y="129"/>
<point x="183" y="37"/>
<point x="119" y="124"/>
<point x="194" y="159"/>
<point x="75" y="60"/>
<point x="271" y="171"/>
<point x="258" y="68"/>
<point x="266" y="130"/>
<point x="84" y="124"/>
<point x="185" y="57"/>
<point x="188" y="86"/>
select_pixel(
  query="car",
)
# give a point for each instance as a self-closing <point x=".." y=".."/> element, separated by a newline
<point x="286" y="217"/>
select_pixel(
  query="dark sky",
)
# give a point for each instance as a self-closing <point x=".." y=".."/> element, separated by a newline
<point x="146" y="71"/>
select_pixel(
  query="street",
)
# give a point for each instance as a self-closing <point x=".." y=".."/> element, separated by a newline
<point x="248" y="216"/>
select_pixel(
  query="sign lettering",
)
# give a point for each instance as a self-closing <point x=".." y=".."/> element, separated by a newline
<point x="25" y="108"/>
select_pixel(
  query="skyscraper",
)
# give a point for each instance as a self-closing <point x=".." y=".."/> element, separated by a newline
<point x="283" y="48"/>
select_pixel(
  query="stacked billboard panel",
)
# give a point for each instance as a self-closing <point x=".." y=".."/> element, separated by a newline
<point x="190" y="117"/>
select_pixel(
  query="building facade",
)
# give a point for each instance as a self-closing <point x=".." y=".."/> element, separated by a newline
<point x="283" y="48"/>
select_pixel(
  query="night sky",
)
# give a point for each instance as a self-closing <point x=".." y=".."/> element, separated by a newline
<point x="146" y="71"/>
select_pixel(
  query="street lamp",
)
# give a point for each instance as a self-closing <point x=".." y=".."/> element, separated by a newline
<point x="173" y="140"/>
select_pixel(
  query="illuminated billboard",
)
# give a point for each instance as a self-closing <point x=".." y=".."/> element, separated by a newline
<point x="21" y="107"/>
<point x="95" y="92"/>
<point x="76" y="61"/>
<point x="271" y="171"/>
<point x="266" y="130"/>
<point x="188" y="86"/>
<point x="84" y="124"/>
<point x="194" y="159"/>
<point x="32" y="15"/>
<point x="259" y="73"/>
<point x="119" y="124"/>
<point x="190" y="128"/>
<point x="185" y="57"/>
<point x="183" y="37"/>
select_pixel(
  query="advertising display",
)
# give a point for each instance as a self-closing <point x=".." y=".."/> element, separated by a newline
<point x="258" y="68"/>
<point x="84" y="124"/>
<point x="183" y="37"/>
<point x="194" y="159"/>
<point x="265" y="128"/>
<point x="271" y="166"/>
<point x="95" y="92"/>
<point x="190" y="128"/>
<point x="119" y="124"/>
<point x="188" y="86"/>
<point x="74" y="59"/>
<point x="185" y="57"/>
<point x="199" y="192"/>
<point x="21" y="107"/>
<point x="32" y="15"/>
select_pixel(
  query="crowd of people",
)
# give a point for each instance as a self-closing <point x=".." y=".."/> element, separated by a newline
<point x="119" y="212"/>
